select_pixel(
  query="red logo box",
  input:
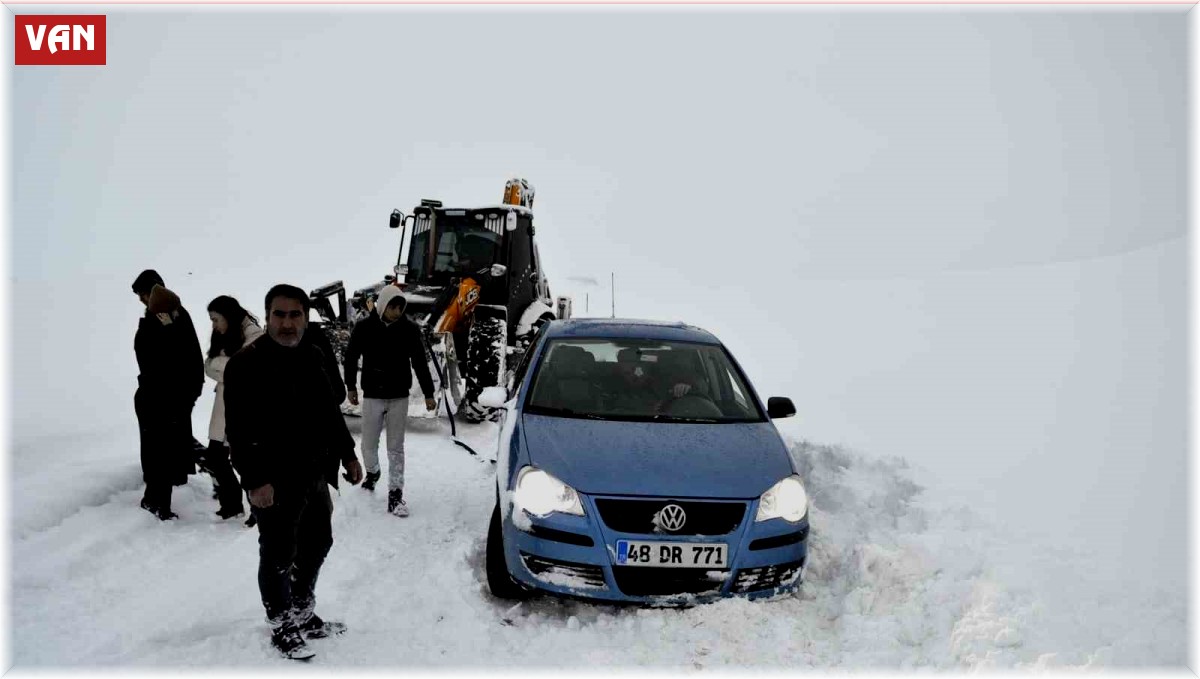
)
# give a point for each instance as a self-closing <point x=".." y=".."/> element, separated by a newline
<point x="61" y="40"/>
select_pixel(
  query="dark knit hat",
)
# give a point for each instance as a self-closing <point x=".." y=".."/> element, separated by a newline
<point x="145" y="281"/>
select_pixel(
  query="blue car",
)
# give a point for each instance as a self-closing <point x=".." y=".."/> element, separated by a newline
<point x="636" y="464"/>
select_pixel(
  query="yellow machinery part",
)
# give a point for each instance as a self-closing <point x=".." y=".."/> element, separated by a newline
<point x="462" y="306"/>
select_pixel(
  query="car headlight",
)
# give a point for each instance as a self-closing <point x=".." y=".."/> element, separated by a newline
<point x="786" y="500"/>
<point x="541" y="494"/>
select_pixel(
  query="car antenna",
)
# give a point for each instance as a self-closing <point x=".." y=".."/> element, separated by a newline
<point x="612" y="279"/>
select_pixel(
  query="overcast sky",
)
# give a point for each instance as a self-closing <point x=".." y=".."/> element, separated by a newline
<point x="955" y="237"/>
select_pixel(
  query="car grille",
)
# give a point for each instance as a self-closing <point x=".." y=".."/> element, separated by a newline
<point x="565" y="572"/>
<point x="766" y="577"/>
<point x="645" y="581"/>
<point x="703" y="517"/>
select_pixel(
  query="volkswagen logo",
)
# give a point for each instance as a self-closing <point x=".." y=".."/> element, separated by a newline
<point x="671" y="517"/>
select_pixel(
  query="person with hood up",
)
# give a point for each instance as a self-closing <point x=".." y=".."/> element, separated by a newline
<point x="170" y="379"/>
<point x="233" y="328"/>
<point x="388" y="344"/>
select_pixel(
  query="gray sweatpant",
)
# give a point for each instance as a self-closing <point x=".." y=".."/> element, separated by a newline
<point x="375" y="412"/>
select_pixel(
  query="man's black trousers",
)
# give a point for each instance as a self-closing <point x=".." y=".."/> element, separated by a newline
<point x="294" y="535"/>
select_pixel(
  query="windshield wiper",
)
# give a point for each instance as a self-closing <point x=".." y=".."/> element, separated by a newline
<point x="563" y="412"/>
<point x="675" y="418"/>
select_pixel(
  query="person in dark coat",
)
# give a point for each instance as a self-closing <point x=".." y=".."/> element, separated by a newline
<point x="287" y="437"/>
<point x="170" y="379"/>
<point x="388" y="343"/>
<point x="318" y="340"/>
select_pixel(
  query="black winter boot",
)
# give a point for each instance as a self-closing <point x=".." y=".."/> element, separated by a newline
<point x="316" y="628"/>
<point x="157" y="501"/>
<point x="290" y="643"/>
<point x="371" y="479"/>
<point x="396" y="504"/>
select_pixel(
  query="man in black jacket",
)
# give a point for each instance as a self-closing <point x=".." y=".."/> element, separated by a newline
<point x="316" y="339"/>
<point x="388" y="344"/>
<point x="170" y="379"/>
<point x="287" y="436"/>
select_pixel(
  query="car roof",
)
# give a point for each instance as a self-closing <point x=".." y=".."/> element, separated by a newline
<point x="630" y="328"/>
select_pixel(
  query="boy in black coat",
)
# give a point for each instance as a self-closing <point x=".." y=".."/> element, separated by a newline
<point x="388" y="344"/>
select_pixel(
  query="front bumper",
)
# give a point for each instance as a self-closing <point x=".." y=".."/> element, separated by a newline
<point x="576" y="556"/>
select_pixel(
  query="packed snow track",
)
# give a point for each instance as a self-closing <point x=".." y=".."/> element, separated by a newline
<point x="895" y="581"/>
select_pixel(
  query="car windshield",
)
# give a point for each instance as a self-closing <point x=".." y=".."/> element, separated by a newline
<point x="641" y="380"/>
<point x="463" y="246"/>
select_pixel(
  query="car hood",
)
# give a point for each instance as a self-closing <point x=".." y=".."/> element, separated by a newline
<point x="601" y="457"/>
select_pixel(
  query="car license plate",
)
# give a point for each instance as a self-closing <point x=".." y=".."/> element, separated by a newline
<point x="673" y="554"/>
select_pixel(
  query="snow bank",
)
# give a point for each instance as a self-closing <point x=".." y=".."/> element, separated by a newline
<point x="905" y="581"/>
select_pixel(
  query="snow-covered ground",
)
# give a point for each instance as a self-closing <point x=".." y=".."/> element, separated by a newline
<point x="954" y="237"/>
<point x="897" y="579"/>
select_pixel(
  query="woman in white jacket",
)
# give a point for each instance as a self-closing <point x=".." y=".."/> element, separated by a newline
<point x="233" y="328"/>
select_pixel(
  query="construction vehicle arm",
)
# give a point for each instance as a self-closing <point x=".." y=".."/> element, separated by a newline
<point x="350" y="362"/>
<point x="416" y="355"/>
<point x="329" y="365"/>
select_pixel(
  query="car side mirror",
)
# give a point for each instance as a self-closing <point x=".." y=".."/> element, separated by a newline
<point x="396" y="219"/>
<point x="493" y="397"/>
<point x="779" y="407"/>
